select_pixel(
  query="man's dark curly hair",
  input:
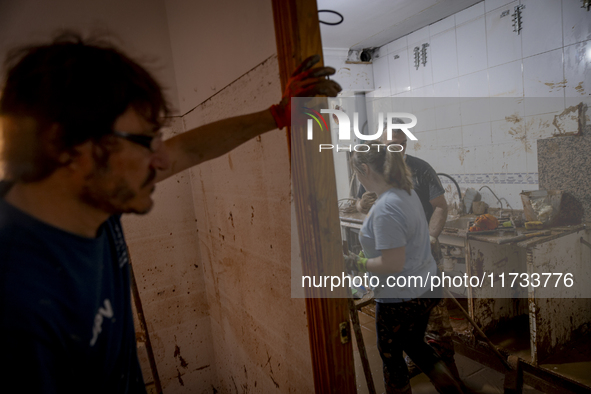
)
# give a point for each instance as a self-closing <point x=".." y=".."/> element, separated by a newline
<point x="73" y="89"/>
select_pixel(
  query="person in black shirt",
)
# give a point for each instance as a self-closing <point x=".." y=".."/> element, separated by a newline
<point x="432" y="195"/>
<point x="81" y="146"/>
<point x="426" y="185"/>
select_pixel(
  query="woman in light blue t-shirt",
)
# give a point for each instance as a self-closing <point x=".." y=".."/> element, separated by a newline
<point x="395" y="241"/>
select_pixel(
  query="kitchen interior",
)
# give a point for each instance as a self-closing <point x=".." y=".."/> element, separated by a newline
<point x="214" y="313"/>
<point x="503" y="91"/>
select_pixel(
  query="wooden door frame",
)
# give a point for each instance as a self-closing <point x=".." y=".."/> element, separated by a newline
<point x="297" y="32"/>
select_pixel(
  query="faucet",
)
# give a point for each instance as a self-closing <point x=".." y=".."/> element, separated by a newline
<point x="500" y="202"/>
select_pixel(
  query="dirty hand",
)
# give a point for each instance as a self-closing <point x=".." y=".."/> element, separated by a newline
<point x="304" y="82"/>
<point x="355" y="263"/>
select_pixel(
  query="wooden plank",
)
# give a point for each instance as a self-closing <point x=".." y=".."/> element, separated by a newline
<point x="157" y="387"/>
<point x="539" y="378"/>
<point x="297" y="32"/>
<point x="361" y="346"/>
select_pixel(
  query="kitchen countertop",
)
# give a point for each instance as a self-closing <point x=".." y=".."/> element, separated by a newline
<point x="355" y="220"/>
<point x="555" y="232"/>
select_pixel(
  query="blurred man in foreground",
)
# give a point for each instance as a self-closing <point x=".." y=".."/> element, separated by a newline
<point x="82" y="145"/>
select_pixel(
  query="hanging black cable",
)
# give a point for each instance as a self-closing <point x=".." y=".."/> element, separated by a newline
<point x="332" y="23"/>
<point x="454" y="181"/>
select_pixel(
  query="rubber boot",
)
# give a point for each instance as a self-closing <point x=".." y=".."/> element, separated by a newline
<point x="406" y="390"/>
<point x="453" y="368"/>
<point x="413" y="369"/>
<point x="443" y="379"/>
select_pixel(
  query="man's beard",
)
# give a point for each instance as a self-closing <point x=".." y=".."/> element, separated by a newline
<point x="151" y="176"/>
<point x="113" y="197"/>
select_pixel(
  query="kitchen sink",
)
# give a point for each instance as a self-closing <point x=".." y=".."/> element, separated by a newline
<point x="459" y="223"/>
<point x="451" y="235"/>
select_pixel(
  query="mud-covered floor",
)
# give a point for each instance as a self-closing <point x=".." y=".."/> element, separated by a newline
<point x="475" y="376"/>
<point x="573" y="360"/>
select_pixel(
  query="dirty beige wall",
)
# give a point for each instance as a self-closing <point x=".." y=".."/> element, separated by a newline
<point x="139" y="27"/>
<point x="214" y="43"/>
<point x="225" y="65"/>
<point x="165" y="256"/>
<point x="242" y="202"/>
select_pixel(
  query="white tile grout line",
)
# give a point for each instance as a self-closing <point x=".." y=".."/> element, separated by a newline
<point x="510" y="178"/>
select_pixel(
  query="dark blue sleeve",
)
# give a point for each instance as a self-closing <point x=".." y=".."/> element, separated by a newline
<point x="435" y="187"/>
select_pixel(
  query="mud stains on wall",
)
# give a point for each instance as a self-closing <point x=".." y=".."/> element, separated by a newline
<point x="165" y="254"/>
<point x="242" y="203"/>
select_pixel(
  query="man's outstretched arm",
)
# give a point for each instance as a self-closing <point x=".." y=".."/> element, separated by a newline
<point x="215" y="139"/>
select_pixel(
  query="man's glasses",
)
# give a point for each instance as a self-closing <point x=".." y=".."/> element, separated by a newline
<point x="152" y="143"/>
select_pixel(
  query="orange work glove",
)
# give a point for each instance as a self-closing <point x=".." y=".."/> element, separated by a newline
<point x="304" y="82"/>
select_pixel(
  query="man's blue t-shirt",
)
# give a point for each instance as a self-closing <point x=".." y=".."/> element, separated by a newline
<point x="66" y="324"/>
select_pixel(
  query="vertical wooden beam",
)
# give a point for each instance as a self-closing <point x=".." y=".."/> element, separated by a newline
<point x="144" y="327"/>
<point x="297" y="32"/>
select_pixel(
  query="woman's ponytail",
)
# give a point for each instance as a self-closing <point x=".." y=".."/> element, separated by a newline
<point x="389" y="164"/>
<point x="396" y="172"/>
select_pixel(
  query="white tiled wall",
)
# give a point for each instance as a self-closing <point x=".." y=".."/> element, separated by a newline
<point x="471" y="45"/>
<point x="356" y="77"/>
<point x="475" y="56"/>
<point x="398" y="71"/>
<point x="503" y="45"/>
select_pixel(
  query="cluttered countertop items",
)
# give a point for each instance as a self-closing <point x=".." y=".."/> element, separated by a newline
<point x="507" y="233"/>
<point x="539" y="222"/>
